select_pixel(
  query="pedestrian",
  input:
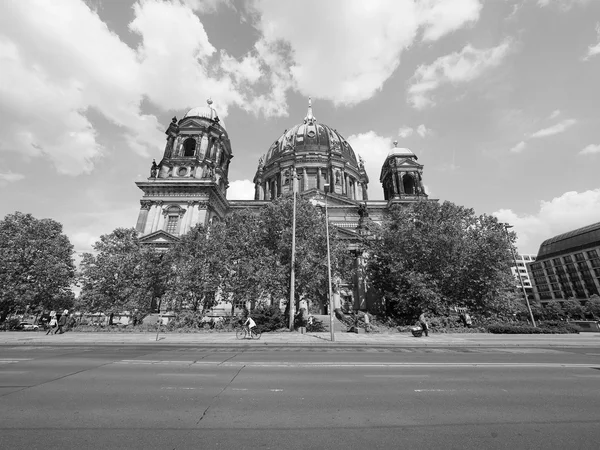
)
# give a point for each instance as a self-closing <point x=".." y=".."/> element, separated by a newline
<point x="71" y="322"/>
<point x="367" y="322"/>
<point x="468" y="320"/>
<point x="52" y="323"/>
<point x="423" y="322"/>
<point x="62" y="321"/>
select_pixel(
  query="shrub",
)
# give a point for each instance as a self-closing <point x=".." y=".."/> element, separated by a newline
<point x="316" y="326"/>
<point x="268" y="318"/>
<point x="544" y="328"/>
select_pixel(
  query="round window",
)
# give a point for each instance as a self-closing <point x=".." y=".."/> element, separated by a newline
<point x="182" y="172"/>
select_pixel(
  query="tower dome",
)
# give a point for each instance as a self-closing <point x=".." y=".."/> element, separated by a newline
<point x="205" y="112"/>
<point x="320" y="156"/>
<point x="402" y="176"/>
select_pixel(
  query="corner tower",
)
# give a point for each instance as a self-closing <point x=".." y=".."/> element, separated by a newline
<point x="402" y="176"/>
<point x="189" y="184"/>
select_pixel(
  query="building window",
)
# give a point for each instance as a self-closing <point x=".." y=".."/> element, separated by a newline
<point x="189" y="147"/>
<point x="567" y="259"/>
<point x="592" y="254"/>
<point x="579" y="257"/>
<point x="172" y="222"/>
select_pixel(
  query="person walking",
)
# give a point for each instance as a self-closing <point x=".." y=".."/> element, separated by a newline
<point x="367" y="323"/>
<point x="424" y="325"/>
<point x="62" y="321"/>
<point x="51" y="323"/>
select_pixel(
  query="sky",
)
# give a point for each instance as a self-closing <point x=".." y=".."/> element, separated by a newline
<point x="499" y="99"/>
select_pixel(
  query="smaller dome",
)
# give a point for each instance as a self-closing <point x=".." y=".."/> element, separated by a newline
<point x="399" y="151"/>
<point x="206" y="112"/>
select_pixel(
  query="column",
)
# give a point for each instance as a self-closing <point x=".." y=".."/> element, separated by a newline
<point x="319" y="179"/>
<point x="305" y="178"/>
<point x="157" y="212"/>
<point x="143" y="216"/>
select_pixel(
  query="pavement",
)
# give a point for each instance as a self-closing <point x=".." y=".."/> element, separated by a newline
<point x="308" y="339"/>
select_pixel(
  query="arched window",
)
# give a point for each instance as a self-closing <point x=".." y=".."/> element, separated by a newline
<point x="409" y="184"/>
<point x="189" y="147"/>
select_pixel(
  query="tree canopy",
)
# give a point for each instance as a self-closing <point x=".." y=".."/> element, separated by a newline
<point x="121" y="274"/>
<point x="36" y="268"/>
<point x="433" y="257"/>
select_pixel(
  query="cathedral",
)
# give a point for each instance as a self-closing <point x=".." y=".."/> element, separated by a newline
<point x="189" y="184"/>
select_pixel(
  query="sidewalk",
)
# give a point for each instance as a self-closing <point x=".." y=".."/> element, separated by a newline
<point x="301" y="340"/>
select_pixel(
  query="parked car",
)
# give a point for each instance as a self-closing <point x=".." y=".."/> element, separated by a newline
<point x="26" y="326"/>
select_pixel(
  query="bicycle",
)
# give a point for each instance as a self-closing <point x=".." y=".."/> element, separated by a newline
<point x="245" y="331"/>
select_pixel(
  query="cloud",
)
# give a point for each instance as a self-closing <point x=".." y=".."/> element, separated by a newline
<point x="554" y="129"/>
<point x="455" y="68"/>
<point x="564" y="5"/>
<point x="10" y="177"/>
<point x="405" y="132"/>
<point x="594" y="50"/>
<point x="348" y="59"/>
<point x="441" y="17"/>
<point x="590" y="150"/>
<point x="565" y="213"/>
<point x="423" y="131"/>
<point x="241" y="190"/>
<point x="374" y="150"/>
<point x="554" y="114"/>
<point x="519" y="147"/>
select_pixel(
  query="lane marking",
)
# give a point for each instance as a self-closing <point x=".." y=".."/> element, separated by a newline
<point x="436" y="390"/>
<point x="181" y="388"/>
<point x="355" y="364"/>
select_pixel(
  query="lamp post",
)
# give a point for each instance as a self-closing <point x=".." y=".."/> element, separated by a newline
<point x="326" y="186"/>
<point x="512" y="250"/>
<point x="293" y="263"/>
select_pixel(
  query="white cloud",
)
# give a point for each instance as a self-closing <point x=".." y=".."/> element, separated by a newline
<point x="374" y="150"/>
<point x="554" y="129"/>
<point x="554" y="114"/>
<point x="348" y="59"/>
<point x="455" y="68"/>
<point x="564" y="5"/>
<point x="594" y="50"/>
<point x="241" y="190"/>
<point x="518" y="148"/>
<point x="440" y="17"/>
<point x="405" y="132"/>
<point x="590" y="150"/>
<point x="10" y="177"/>
<point x="423" y="131"/>
<point x="565" y="213"/>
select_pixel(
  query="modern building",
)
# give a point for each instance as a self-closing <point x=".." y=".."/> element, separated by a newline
<point x="189" y="184"/>
<point x="568" y="266"/>
<point x="520" y="271"/>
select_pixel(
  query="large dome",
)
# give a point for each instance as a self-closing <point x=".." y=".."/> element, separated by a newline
<point x="319" y="156"/>
<point x="311" y="136"/>
<point x="205" y="112"/>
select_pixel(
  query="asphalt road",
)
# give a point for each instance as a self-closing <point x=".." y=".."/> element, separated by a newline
<point x="190" y="397"/>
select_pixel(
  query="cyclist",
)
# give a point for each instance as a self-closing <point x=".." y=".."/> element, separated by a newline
<point x="251" y="324"/>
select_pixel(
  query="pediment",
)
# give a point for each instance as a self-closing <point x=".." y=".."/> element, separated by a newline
<point x="409" y="163"/>
<point x="332" y="199"/>
<point x="159" y="238"/>
<point x="190" y="123"/>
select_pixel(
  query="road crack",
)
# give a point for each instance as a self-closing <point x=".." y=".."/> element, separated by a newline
<point x="216" y="397"/>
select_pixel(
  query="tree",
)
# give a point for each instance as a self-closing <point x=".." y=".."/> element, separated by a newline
<point x="121" y="275"/>
<point x="36" y="268"/>
<point x="431" y="256"/>
<point x="196" y="270"/>
<point x="572" y="309"/>
<point x="592" y="307"/>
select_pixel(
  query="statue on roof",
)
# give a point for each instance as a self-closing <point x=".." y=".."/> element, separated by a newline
<point x="153" y="169"/>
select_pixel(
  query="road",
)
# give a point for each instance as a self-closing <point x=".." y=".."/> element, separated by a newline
<point x="188" y="396"/>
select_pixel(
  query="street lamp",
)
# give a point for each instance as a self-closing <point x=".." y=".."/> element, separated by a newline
<point x="293" y="262"/>
<point x="326" y="186"/>
<point x="512" y="250"/>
